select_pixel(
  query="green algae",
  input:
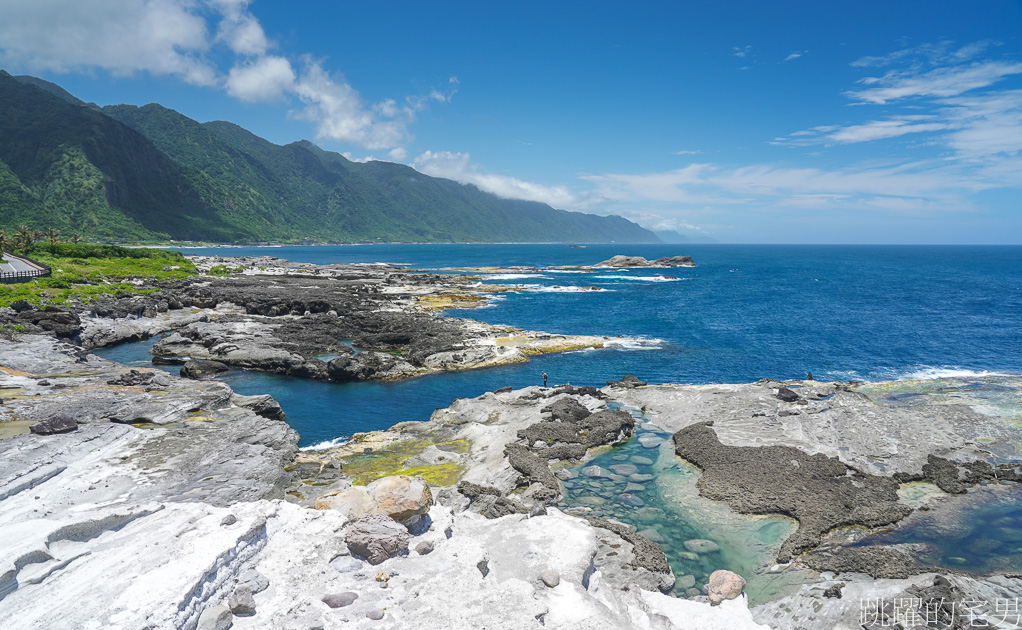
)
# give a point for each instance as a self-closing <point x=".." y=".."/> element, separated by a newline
<point x="364" y="468"/>
<point x="14" y="427"/>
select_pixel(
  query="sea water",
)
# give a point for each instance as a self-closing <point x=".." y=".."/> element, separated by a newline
<point x="743" y="313"/>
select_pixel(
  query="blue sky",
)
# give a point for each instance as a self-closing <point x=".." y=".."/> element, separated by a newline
<point x="783" y="122"/>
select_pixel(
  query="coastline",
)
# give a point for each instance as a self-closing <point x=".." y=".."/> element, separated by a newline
<point x="157" y="457"/>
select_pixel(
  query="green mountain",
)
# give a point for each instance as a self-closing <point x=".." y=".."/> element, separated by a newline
<point x="149" y="173"/>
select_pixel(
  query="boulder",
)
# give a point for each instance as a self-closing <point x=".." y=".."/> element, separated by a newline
<point x="241" y="602"/>
<point x="215" y="618"/>
<point x="786" y="395"/>
<point x="723" y="585"/>
<point x="376" y="538"/>
<point x="57" y="423"/>
<point x="401" y="497"/>
<point x="198" y="369"/>
<point x="550" y="577"/>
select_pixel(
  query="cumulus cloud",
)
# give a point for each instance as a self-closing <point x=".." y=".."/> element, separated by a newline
<point x="163" y="37"/>
<point x="459" y="167"/>
<point x="189" y="39"/>
<point x="264" y="79"/>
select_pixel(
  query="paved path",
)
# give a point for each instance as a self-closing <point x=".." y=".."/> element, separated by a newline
<point x="15" y="264"/>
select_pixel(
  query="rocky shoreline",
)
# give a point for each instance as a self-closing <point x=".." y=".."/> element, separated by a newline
<point x="164" y="502"/>
<point x="335" y="323"/>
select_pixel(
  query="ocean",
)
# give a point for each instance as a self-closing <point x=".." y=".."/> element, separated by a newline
<point x="745" y="312"/>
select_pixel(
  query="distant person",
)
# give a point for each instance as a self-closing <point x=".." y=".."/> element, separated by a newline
<point x="544" y="379"/>
<point x="809" y="376"/>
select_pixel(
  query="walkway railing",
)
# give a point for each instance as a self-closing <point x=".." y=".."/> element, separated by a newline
<point x="12" y="277"/>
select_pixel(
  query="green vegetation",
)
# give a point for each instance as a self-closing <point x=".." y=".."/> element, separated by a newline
<point x="83" y="272"/>
<point x="149" y="174"/>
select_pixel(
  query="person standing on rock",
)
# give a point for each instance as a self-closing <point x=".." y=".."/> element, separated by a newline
<point x="544" y="379"/>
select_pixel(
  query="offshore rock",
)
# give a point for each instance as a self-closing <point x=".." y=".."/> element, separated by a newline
<point x="620" y="261"/>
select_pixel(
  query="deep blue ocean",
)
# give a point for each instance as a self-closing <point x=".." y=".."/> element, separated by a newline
<point x="743" y="313"/>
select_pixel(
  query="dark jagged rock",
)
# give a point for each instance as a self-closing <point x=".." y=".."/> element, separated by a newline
<point x="534" y="469"/>
<point x="57" y="423"/>
<point x="61" y="323"/>
<point x="648" y="554"/>
<point x="786" y="395"/>
<point x="198" y="369"/>
<point x="874" y="560"/>
<point x="150" y="379"/>
<point x="627" y="381"/>
<point x="957" y="477"/>
<point x="820" y="492"/>
<point x="834" y="591"/>
<point x="567" y="410"/>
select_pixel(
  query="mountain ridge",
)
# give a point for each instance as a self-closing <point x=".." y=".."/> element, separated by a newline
<point x="149" y="173"/>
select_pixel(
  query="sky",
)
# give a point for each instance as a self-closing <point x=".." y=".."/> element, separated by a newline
<point x="747" y="122"/>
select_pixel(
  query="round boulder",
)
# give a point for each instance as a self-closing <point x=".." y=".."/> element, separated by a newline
<point x="723" y="585"/>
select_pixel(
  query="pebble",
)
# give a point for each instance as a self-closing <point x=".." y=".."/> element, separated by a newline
<point x="653" y="535"/>
<point x="620" y="458"/>
<point x="375" y="614"/>
<point x="649" y="441"/>
<point x="230" y="519"/>
<point x="642" y="461"/>
<point x="550" y="577"/>
<point x="630" y="499"/>
<point x="634" y="487"/>
<point x="701" y="545"/>
<point x="686" y="582"/>
<point x="564" y="474"/>
<point x="340" y="600"/>
<point x="537" y="510"/>
<point x="625" y="469"/>
<point x="424" y="547"/>
<point x="640" y="477"/>
<point x="593" y="471"/>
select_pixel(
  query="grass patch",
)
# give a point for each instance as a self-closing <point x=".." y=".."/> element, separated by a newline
<point x="83" y="272"/>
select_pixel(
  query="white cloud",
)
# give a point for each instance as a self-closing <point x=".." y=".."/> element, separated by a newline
<point x="940" y="87"/>
<point x="266" y="79"/>
<point x="459" y="167"/>
<point x="795" y="55"/>
<point x="239" y="29"/>
<point x="684" y="152"/>
<point x="741" y="51"/>
<point x="941" y="82"/>
<point x="187" y="39"/>
<point x="162" y="37"/>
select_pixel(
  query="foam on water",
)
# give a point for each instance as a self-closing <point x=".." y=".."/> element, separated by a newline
<point x="514" y="276"/>
<point x="325" y="444"/>
<point x="643" y="278"/>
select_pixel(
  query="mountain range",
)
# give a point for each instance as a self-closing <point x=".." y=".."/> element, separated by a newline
<point x="127" y="173"/>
